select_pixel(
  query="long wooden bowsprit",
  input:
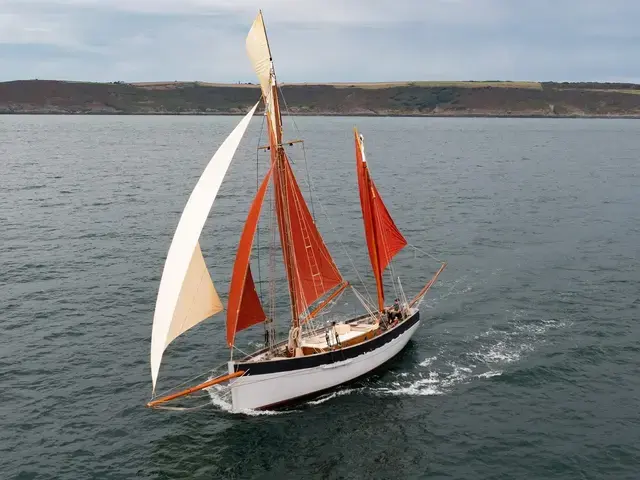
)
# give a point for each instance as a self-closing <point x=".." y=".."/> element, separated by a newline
<point x="196" y="388"/>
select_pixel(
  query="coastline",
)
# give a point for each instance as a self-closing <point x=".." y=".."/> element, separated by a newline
<point x="332" y="114"/>
<point x="459" y="99"/>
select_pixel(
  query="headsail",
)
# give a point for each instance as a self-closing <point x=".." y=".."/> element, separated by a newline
<point x="384" y="240"/>
<point x="245" y="308"/>
<point x="186" y="295"/>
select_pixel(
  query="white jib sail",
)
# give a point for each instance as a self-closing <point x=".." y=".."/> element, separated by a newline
<point x="186" y="295"/>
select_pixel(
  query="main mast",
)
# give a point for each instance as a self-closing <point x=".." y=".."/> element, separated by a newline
<point x="311" y="271"/>
<point x="278" y="158"/>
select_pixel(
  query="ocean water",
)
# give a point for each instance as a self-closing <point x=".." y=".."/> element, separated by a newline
<point x="526" y="365"/>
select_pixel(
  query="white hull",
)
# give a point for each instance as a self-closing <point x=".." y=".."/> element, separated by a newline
<point x="265" y="390"/>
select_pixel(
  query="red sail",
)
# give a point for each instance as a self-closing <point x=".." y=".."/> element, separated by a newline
<point x="384" y="240"/>
<point x="244" y="307"/>
<point x="314" y="272"/>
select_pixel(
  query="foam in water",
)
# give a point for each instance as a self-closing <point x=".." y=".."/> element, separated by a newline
<point x="493" y="348"/>
<point x="331" y="396"/>
<point x="219" y="402"/>
<point x="423" y="386"/>
<point x="219" y="398"/>
<point x="428" y="361"/>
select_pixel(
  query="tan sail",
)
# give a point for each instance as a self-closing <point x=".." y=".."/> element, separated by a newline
<point x="198" y="298"/>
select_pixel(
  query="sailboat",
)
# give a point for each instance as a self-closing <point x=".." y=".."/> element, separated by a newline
<point x="313" y="358"/>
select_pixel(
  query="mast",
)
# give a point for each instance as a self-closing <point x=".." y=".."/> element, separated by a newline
<point x="260" y="55"/>
<point x="375" y="260"/>
<point x="282" y="208"/>
<point x="310" y="269"/>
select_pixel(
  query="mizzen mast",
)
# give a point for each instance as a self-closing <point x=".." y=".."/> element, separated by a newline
<point x="384" y="240"/>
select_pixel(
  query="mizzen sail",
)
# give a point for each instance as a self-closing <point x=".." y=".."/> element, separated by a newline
<point x="384" y="240"/>
<point x="186" y="295"/>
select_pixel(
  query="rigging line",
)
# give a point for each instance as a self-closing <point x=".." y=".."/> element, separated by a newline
<point x="323" y="254"/>
<point x="324" y="211"/>
<point x="257" y="188"/>
<point x="364" y="285"/>
<point x="425" y="253"/>
<point x="306" y="165"/>
<point x="391" y="270"/>
<point x="304" y="152"/>
<point x="363" y="301"/>
<point x="311" y="188"/>
<point x="184" y="409"/>
<point x="242" y="352"/>
<point x="210" y="372"/>
<point x="272" y="255"/>
<point x="286" y="237"/>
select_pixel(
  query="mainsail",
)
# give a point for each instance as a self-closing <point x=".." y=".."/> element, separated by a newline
<point x="314" y="272"/>
<point x="384" y="240"/>
<point x="187" y="295"/>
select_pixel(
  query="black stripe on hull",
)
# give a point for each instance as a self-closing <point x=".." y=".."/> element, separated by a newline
<point x="334" y="356"/>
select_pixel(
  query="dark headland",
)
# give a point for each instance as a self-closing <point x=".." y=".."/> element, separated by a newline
<point x="490" y="98"/>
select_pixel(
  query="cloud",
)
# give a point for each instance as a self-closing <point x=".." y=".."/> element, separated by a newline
<point x="328" y="40"/>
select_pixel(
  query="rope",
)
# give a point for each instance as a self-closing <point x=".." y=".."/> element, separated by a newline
<point x="306" y="166"/>
<point x="244" y="353"/>
<point x="294" y="339"/>
<point x="425" y="253"/>
<point x="311" y="187"/>
<point x="364" y="303"/>
<point x="257" y="188"/>
<point x="183" y="409"/>
<point x="188" y="381"/>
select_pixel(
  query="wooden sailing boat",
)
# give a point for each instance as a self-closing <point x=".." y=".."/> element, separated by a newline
<point x="314" y="358"/>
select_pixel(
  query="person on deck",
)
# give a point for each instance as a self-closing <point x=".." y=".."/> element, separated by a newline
<point x="394" y="312"/>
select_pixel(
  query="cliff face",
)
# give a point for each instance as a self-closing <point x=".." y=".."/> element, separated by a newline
<point x="413" y="98"/>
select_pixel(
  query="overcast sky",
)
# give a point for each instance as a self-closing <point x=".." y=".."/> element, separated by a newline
<point x="322" y="40"/>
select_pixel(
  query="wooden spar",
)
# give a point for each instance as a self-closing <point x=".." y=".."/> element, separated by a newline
<point x="426" y="288"/>
<point x="282" y="208"/>
<point x="320" y="307"/>
<point x="196" y="388"/>
<point x="289" y="142"/>
<point x="370" y="236"/>
<point x="377" y="273"/>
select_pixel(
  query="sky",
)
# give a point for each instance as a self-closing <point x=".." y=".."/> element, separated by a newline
<point x="322" y="40"/>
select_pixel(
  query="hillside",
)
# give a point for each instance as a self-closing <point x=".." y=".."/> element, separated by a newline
<point x="401" y="98"/>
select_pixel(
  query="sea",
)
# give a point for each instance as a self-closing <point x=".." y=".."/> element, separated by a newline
<point x="526" y="364"/>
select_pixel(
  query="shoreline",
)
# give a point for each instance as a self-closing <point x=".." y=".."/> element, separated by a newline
<point x="331" y="114"/>
<point x="411" y="99"/>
